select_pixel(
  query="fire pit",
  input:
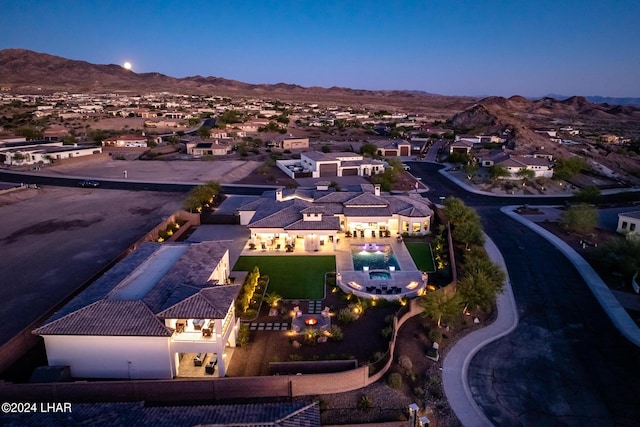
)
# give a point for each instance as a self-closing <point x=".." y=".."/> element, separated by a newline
<point x="310" y="321"/>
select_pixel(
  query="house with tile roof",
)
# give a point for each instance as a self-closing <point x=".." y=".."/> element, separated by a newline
<point x="318" y="216"/>
<point x="541" y="164"/>
<point x="392" y="147"/>
<point x="141" y="317"/>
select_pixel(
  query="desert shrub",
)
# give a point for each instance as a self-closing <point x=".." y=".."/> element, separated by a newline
<point x="346" y="316"/>
<point x="395" y="380"/>
<point x="335" y="333"/>
<point x="365" y="402"/>
<point x="405" y="362"/>
<point x="243" y="334"/>
<point x="378" y="355"/>
<point x="435" y="336"/>
<point x="433" y="381"/>
<point x="386" y="332"/>
<point x="418" y="392"/>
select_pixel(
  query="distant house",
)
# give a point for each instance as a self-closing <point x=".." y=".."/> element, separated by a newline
<point x="55" y="133"/>
<point x="541" y="165"/>
<point x="392" y="148"/>
<point x="206" y="147"/>
<point x="43" y="152"/>
<point x="629" y="224"/>
<point x="127" y="140"/>
<point x="552" y="133"/>
<point x="461" y="146"/>
<point x="339" y="164"/>
<point x="469" y="138"/>
<point x="139" y="318"/>
<point x="290" y="143"/>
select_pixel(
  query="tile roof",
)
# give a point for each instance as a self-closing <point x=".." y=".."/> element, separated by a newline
<point x="366" y="200"/>
<point x="285" y="414"/>
<point x="97" y="311"/>
<point x="108" y="318"/>
<point x="190" y="274"/>
<point x="209" y="303"/>
<point x="367" y="211"/>
<point x="327" y="223"/>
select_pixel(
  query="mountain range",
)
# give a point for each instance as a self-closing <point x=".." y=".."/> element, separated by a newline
<point x="26" y="71"/>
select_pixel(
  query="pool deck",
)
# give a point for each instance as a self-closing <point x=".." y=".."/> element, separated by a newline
<point x="362" y="285"/>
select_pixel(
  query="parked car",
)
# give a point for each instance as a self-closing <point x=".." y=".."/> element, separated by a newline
<point x="88" y="183"/>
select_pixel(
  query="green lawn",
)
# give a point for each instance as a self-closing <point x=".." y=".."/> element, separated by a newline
<point x="422" y="255"/>
<point x="291" y="276"/>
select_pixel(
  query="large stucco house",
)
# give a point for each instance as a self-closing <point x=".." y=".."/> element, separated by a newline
<point x="326" y="165"/>
<point x="318" y="215"/>
<point x="142" y="317"/>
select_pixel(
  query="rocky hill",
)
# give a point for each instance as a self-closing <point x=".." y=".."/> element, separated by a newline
<point x="25" y="71"/>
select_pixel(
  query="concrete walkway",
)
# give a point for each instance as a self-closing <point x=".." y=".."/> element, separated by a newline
<point x="456" y="363"/>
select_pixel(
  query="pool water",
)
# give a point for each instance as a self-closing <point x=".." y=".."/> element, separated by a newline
<point x="379" y="275"/>
<point x="374" y="256"/>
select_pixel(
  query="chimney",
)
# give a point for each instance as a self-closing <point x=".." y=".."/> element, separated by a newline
<point x="376" y="190"/>
<point x="279" y="194"/>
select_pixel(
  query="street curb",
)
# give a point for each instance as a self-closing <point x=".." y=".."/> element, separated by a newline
<point x="456" y="364"/>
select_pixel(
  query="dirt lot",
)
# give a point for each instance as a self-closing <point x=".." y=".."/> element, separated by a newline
<point x="53" y="239"/>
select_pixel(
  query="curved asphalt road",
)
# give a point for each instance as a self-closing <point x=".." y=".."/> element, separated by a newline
<point x="565" y="363"/>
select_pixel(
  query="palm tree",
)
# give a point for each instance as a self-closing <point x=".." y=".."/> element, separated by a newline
<point x="272" y="299"/>
<point x="311" y="334"/>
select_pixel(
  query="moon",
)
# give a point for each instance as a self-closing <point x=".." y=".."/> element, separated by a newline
<point x="127" y="65"/>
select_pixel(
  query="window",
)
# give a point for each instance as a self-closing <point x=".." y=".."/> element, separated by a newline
<point x="405" y="226"/>
<point x="632" y="227"/>
<point x="415" y="227"/>
<point x="624" y="225"/>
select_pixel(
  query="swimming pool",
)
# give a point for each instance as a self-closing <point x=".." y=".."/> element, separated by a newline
<point x="379" y="275"/>
<point x="374" y="257"/>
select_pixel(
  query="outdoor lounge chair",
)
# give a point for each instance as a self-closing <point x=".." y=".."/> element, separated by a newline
<point x="278" y="247"/>
<point x="264" y="247"/>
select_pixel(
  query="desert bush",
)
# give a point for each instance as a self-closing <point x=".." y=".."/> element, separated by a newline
<point x="435" y="336"/>
<point x="386" y="332"/>
<point x="365" y="402"/>
<point x="335" y="333"/>
<point x="244" y="333"/>
<point x="346" y="316"/>
<point x="395" y="380"/>
<point x="405" y="362"/>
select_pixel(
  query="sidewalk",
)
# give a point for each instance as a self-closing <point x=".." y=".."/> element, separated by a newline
<point x="456" y="363"/>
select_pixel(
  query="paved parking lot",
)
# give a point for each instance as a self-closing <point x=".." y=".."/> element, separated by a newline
<point x="54" y="239"/>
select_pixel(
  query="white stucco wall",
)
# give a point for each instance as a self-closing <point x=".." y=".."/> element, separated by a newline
<point x="112" y="357"/>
